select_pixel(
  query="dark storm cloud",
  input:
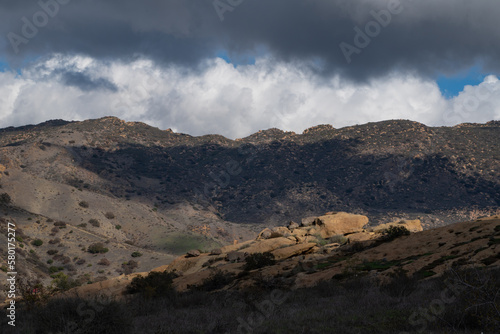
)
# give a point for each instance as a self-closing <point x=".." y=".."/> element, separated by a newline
<point x="86" y="83"/>
<point x="426" y="36"/>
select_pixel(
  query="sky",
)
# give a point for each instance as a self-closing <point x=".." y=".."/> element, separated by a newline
<point x="234" y="67"/>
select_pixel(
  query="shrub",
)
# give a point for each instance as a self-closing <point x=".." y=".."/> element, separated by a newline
<point x="394" y="232"/>
<point x="104" y="262"/>
<point x="61" y="258"/>
<point x="118" y="227"/>
<point x="60" y="224"/>
<point x="5" y="199"/>
<point x="59" y="315"/>
<point x="339" y="239"/>
<point x="356" y="247"/>
<point x="52" y="251"/>
<point x="80" y="262"/>
<point x="94" y="222"/>
<point x="54" y="241"/>
<point x="128" y="267"/>
<point x="82" y="225"/>
<point x="477" y="305"/>
<point x="62" y="282"/>
<point x="320" y="241"/>
<point x="55" y="269"/>
<point x="97" y="248"/>
<point x="216" y="281"/>
<point x="37" y="242"/>
<point x="109" y="215"/>
<point x="155" y="284"/>
<point x="259" y="260"/>
<point x="136" y="254"/>
<point x="50" y="261"/>
<point x="83" y="204"/>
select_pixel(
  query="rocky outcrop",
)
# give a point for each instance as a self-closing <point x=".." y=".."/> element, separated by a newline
<point x="340" y="223"/>
<point x="326" y="226"/>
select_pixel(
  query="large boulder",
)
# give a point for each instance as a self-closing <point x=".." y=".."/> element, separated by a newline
<point x="411" y="225"/>
<point x="309" y="221"/>
<point x="193" y="253"/>
<point x="268" y="245"/>
<point x="361" y="236"/>
<point x="216" y="251"/>
<point x="340" y="223"/>
<point x="265" y="234"/>
<point x="287" y="252"/>
<point x="299" y="234"/>
<point x="281" y="231"/>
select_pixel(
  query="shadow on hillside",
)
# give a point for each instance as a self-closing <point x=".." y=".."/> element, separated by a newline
<point x="290" y="181"/>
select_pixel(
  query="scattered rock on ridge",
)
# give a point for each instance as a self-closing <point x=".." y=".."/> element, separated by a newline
<point x="216" y="251"/>
<point x="193" y="253"/>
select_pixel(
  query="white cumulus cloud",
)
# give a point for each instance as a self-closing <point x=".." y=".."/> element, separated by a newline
<point x="228" y="100"/>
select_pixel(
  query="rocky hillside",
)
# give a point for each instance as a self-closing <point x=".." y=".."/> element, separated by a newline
<point x="332" y="272"/>
<point x="135" y="189"/>
<point x="392" y="167"/>
<point x="335" y="246"/>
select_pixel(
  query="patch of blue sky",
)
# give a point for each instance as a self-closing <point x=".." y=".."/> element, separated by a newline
<point x="244" y="58"/>
<point x="4" y="66"/>
<point x="451" y="86"/>
<point x="236" y="59"/>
